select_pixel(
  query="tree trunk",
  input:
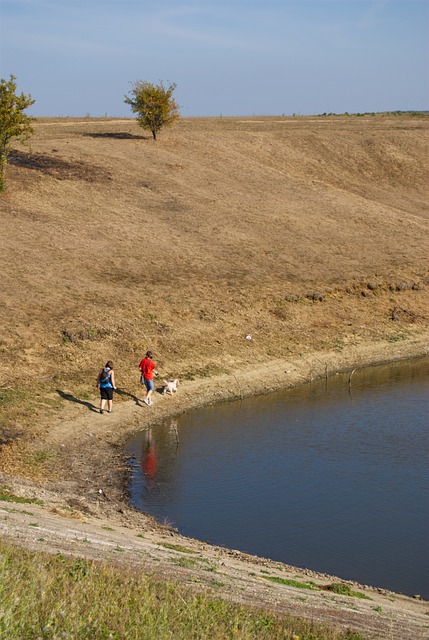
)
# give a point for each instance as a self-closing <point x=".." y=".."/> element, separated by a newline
<point x="3" y="161"/>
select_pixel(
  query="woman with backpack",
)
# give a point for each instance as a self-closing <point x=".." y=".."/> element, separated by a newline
<point x="106" y="384"/>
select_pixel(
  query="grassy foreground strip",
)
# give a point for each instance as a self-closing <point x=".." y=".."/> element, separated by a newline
<point x="49" y="597"/>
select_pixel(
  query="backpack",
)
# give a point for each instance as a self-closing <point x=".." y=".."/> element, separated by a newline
<point x="104" y="375"/>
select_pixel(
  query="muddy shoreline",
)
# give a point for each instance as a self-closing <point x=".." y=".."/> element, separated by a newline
<point x="91" y="470"/>
<point x="88" y="489"/>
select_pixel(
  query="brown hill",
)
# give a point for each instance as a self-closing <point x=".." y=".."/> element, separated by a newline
<point x="302" y="232"/>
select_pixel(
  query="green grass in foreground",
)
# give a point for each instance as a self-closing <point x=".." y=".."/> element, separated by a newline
<point x="47" y="597"/>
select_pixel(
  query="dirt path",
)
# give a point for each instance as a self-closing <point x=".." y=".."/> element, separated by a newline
<point x="86" y="511"/>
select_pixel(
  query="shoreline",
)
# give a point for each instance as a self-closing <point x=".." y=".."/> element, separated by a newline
<point x="90" y="494"/>
<point x="353" y="389"/>
<point x="280" y="375"/>
<point x="80" y="428"/>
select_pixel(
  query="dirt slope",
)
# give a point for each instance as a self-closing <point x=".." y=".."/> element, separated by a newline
<point x="222" y="228"/>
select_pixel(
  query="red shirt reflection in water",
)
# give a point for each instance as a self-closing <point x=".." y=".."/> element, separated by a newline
<point x="149" y="462"/>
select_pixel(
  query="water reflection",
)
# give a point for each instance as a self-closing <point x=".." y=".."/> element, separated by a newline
<point x="315" y="476"/>
<point x="149" y="463"/>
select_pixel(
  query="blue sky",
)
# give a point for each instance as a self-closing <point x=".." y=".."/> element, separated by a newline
<point x="227" y="57"/>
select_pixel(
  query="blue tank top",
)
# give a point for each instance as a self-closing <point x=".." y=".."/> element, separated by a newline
<point x="105" y="382"/>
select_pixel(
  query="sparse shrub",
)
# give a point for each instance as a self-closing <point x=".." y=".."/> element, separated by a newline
<point x="92" y="333"/>
<point x="291" y="583"/>
<point x="154" y="105"/>
<point x="14" y="123"/>
<point x="176" y="547"/>
<point x="345" y="590"/>
<point x="7" y="496"/>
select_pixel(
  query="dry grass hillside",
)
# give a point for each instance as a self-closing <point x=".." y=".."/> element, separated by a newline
<point x="306" y="233"/>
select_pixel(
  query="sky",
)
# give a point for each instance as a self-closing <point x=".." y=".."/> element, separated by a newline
<point x="227" y="57"/>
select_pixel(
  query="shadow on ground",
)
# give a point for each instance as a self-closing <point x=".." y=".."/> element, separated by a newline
<point x="58" y="167"/>
<point x="120" y="135"/>
<point x="71" y="398"/>
<point x="137" y="400"/>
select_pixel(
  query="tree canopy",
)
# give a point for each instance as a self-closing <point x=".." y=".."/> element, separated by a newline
<point x="154" y="105"/>
<point x="14" y="123"/>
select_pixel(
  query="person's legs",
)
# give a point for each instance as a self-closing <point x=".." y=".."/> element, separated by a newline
<point x="105" y="395"/>
<point x="109" y="396"/>
<point x="149" y="390"/>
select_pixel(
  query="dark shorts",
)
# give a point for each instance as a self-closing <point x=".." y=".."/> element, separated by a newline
<point x="106" y="393"/>
<point x="148" y="384"/>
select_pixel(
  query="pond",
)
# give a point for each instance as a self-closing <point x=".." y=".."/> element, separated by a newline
<point x="328" y="476"/>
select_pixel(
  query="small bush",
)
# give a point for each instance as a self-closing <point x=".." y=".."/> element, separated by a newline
<point x="345" y="590"/>
<point x="291" y="583"/>
<point x="7" y="496"/>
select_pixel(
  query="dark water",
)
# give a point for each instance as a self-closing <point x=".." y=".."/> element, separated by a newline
<point x="316" y="477"/>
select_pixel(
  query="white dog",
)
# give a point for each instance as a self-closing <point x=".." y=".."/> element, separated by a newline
<point x="170" y="386"/>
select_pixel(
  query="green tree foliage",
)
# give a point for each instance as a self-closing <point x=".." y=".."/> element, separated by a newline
<point x="154" y="105"/>
<point x="14" y="123"/>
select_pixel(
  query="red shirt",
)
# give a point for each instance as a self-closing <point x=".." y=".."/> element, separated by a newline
<point x="147" y="366"/>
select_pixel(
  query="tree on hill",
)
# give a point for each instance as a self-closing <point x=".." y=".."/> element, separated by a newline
<point x="154" y="105"/>
<point x="14" y="123"/>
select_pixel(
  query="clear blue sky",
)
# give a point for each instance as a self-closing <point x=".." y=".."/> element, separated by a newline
<point x="229" y="57"/>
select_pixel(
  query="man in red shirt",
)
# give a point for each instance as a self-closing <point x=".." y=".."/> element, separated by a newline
<point x="147" y="367"/>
